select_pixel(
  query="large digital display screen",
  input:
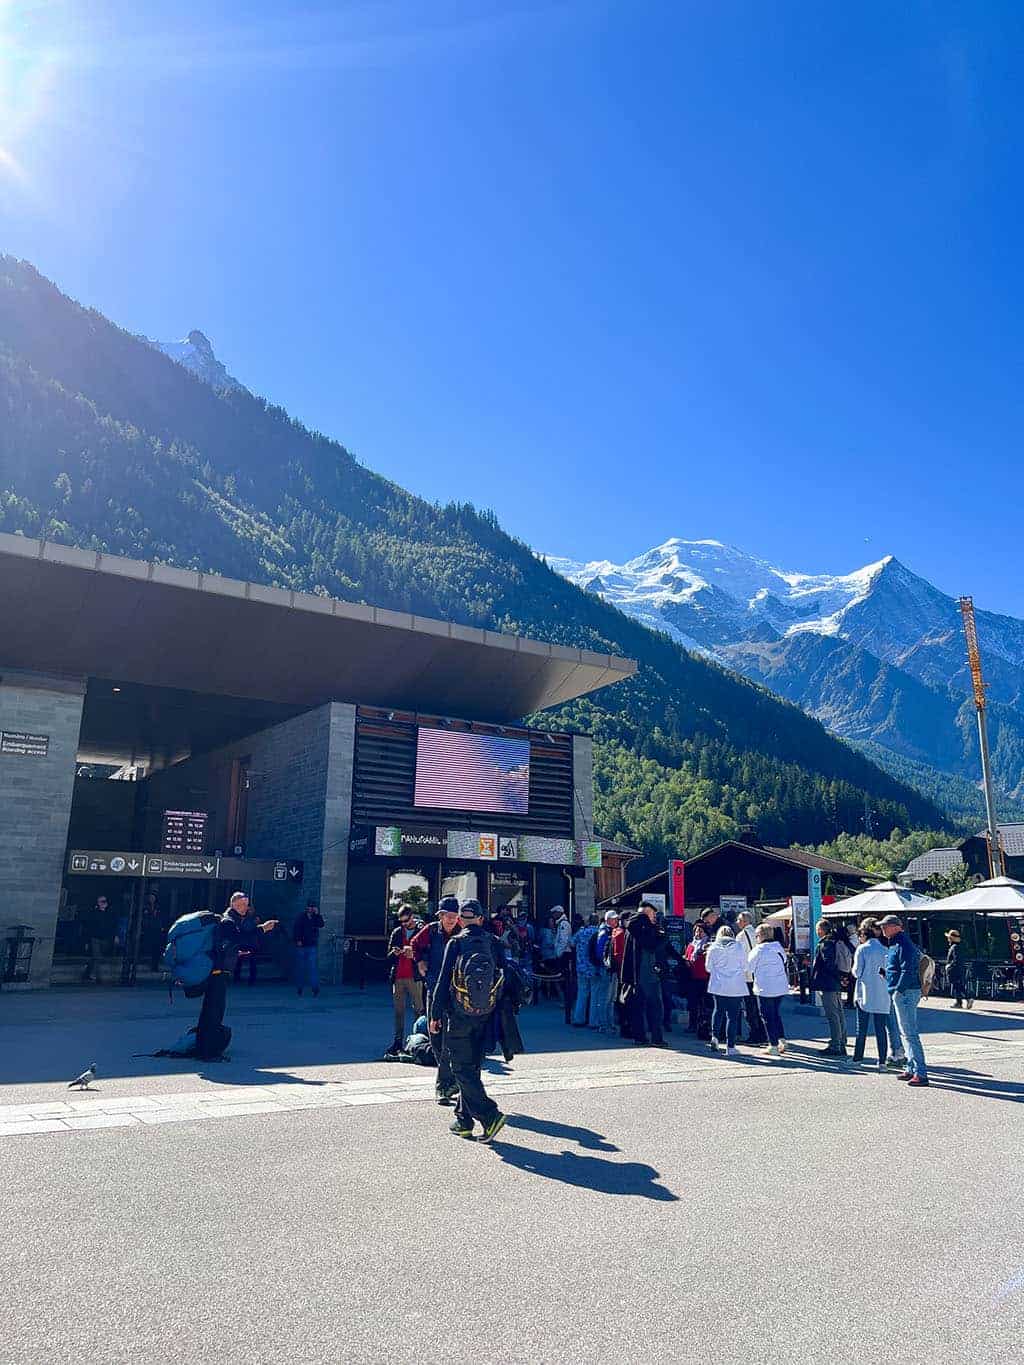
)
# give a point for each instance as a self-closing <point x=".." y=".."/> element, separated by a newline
<point x="456" y="770"/>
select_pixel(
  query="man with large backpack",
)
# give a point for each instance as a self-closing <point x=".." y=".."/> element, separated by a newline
<point x="467" y="992"/>
<point x="201" y="952"/>
<point x="428" y="947"/>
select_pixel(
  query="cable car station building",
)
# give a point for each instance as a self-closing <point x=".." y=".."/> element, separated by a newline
<point x="168" y="736"/>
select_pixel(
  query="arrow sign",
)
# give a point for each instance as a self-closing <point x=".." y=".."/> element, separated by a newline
<point x="295" y="872"/>
<point x="209" y="867"/>
<point x="134" y="864"/>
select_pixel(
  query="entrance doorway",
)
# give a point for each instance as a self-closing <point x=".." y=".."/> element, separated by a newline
<point x="408" y="887"/>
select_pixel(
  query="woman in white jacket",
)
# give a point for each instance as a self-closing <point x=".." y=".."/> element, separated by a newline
<point x="767" y="963"/>
<point x="870" y="992"/>
<point x="727" y="968"/>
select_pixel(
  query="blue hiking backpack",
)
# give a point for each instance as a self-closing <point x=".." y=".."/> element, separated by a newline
<point x="192" y="950"/>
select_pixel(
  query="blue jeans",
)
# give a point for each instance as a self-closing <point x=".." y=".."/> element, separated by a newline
<point x="586" y="1001"/>
<point x="725" y="1022"/>
<point x="905" y="1003"/>
<point x="306" y="968"/>
<point x="895" y="1041"/>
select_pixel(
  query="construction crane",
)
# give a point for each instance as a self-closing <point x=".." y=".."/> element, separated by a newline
<point x="995" y="852"/>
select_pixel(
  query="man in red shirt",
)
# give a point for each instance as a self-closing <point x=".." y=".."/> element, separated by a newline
<point x="404" y="984"/>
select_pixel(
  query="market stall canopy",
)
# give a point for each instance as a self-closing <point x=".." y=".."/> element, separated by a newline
<point x="782" y="916"/>
<point x="887" y="898"/>
<point x="998" y="896"/>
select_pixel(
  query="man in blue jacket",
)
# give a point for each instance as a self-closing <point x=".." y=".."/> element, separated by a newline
<point x="903" y="977"/>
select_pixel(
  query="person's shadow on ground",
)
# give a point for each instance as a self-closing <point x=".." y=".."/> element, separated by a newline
<point x="976" y="1083"/>
<point x="588" y="1172"/>
<point x="585" y="1172"/>
<point x="586" y="1137"/>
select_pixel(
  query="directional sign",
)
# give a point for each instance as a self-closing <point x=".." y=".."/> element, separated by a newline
<point x="180" y="865"/>
<point x="288" y="870"/>
<point x="201" y="867"/>
<point x="24" y="744"/>
<point x="91" y="862"/>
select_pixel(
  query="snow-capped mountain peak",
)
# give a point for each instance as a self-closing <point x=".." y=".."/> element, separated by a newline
<point x="195" y="352"/>
<point x="709" y="592"/>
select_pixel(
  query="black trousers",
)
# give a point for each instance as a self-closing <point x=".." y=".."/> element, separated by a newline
<point x="445" y="1081"/>
<point x="755" y="1024"/>
<point x="646" y="1013"/>
<point x="211" y="1016"/>
<point x="880" y="1024"/>
<point x="466" y="1040"/>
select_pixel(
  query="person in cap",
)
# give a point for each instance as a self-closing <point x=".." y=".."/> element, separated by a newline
<point x="640" y="979"/>
<point x="467" y="993"/>
<point x="956" y="971"/>
<point x="746" y="936"/>
<point x="902" y="976"/>
<point x="428" y="945"/>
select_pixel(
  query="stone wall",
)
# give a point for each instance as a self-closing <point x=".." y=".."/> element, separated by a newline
<point x="35" y="806"/>
<point x="583" y="815"/>
<point x="299" y="807"/>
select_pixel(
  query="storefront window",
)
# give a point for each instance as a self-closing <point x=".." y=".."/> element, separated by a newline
<point x="408" y="888"/>
<point x="460" y="884"/>
<point x="511" y="891"/>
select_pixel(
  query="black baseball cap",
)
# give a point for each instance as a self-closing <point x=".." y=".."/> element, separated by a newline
<point x="471" y="910"/>
<point x="448" y="905"/>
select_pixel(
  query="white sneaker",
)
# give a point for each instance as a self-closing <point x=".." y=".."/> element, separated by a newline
<point x="714" y="1045"/>
<point x="773" y="1052"/>
<point x="731" y="1052"/>
<point x="782" y="1046"/>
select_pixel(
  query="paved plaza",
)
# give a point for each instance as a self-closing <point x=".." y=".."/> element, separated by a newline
<point x="304" y="1201"/>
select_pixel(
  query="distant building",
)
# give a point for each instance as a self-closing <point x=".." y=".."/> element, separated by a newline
<point x="936" y="862"/>
<point x="746" y="867"/>
<point x="1011" y="840"/>
<point x="610" y="877"/>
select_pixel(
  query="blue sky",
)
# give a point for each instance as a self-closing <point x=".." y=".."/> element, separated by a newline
<point x="620" y="271"/>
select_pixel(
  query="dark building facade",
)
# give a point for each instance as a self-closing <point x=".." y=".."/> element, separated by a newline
<point x="167" y="737"/>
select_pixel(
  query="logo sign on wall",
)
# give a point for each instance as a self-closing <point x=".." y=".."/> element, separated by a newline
<point x="388" y="841"/>
<point x="508" y="848"/>
<point x="591" y="853"/>
<point x="487" y="846"/>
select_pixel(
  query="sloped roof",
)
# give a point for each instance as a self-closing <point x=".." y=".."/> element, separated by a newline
<point x="624" y="850"/>
<point x="1011" y="837"/>
<point x="935" y="861"/>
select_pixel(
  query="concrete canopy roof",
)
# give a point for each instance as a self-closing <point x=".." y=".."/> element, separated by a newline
<point x="83" y="613"/>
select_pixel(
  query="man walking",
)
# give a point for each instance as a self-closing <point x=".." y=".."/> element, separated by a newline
<point x="468" y="989"/>
<point x="404" y="985"/>
<point x="902" y="976"/>
<point x="746" y="936"/>
<point x="428" y="947"/>
<point x="306" y="937"/>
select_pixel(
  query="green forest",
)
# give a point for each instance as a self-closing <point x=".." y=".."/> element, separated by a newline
<point x="107" y="444"/>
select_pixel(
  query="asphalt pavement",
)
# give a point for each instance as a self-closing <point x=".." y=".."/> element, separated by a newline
<point x="305" y="1202"/>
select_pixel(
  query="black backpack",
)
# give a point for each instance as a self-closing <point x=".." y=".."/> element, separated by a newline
<point x="476" y="977"/>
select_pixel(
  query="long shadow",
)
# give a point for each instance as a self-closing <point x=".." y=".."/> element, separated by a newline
<point x="585" y="1137"/>
<point x="588" y="1172"/>
<point x="982" y="1087"/>
<point x="255" y="1077"/>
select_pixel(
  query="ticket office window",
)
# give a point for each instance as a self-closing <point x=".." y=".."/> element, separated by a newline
<point x="511" y="891"/>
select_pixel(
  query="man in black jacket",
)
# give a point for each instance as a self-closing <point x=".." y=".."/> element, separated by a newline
<point x="215" y="994"/>
<point x="640" y="976"/>
<point x="306" y="937"/>
<point x="466" y="1020"/>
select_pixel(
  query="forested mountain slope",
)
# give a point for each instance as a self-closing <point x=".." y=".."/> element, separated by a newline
<point x="107" y="443"/>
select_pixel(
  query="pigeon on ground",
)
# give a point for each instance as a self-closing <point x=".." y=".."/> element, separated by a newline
<point x="82" y="1081"/>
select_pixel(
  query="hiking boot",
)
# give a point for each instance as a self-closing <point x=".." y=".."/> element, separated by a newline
<point x="906" y="1076"/>
<point x="460" y="1130"/>
<point x="917" y="1080"/>
<point x="493" y="1128"/>
<point x="956" y="1005"/>
<point x="970" y="1004"/>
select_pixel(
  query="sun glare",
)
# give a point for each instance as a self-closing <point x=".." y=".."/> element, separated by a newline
<point x="29" y="64"/>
